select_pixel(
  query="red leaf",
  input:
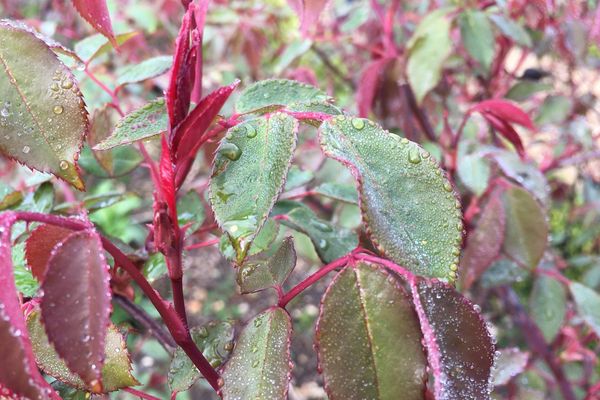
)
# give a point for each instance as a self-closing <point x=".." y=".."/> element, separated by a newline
<point x="182" y="74"/>
<point x="369" y="84"/>
<point x="189" y="135"/>
<point x="19" y="376"/>
<point x="76" y="304"/>
<point x="167" y="176"/>
<point x="308" y="11"/>
<point x="484" y="243"/>
<point x="200" y="18"/>
<point x="96" y="13"/>
<point x="459" y="347"/>
<point x="505" y="111"/>
<point x="506" y="130"/>
<point x="39" y="246"/>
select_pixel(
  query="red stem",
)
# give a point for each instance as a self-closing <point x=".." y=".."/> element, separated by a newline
<point x="140" y="394"/>
<point x="171" y="318"/>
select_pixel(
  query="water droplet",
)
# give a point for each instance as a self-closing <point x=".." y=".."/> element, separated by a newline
<point x="250" y="131"/>
<point x="413" y="156"/>
<point x="404" y="141"/>
<point x="230" y="151"/>
<point x="323" y="244"/>
<point x="67" y="84"/>
<point x="5" y="112"/>
<point x="58" y="109"/>
<point x="54" y="87"/>
<point x="26" y="149"/>
<point x="358" y="123"/>
<point x="63" y="165"/>
<point x="257" y="322"/>
<point x="255" y="363"/>
<point x="447" y="186"/>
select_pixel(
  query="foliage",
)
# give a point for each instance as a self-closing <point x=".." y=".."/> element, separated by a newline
<point x="437" y="164"/>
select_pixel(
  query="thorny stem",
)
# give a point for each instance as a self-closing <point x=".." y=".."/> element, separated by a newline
<point x="171" y="318"/>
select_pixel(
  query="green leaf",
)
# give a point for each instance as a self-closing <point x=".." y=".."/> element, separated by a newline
<point x="265" y="237"/>
<point x="94" y="202"/>
<point x="43" y="119"/>
<point x="147" y="69"/>
<point x="474" y="171"/>
<point x="26" y="283"/>
<point x="297" y="177"/>
<point x="477" y="36"/>
<point x="554" y="110"/>
<point x="410" y="209"/>
<point x="155" y="267"/>
<point x="262" y="273"/>
<point x="523" y="90"/>
<point x="368" y="338"/>
<point x="215" y="340"/>
<point x="294" y="50"/>
<point x="527" y="174"/>
<point x="329" y="241"/>
<point x="67" y="392"/>
<point x="588" y="304"/>
<point x="249" y="174"/>
<point x="9" y="196"/>
<point x="510" y="363"/>
<point x="190" y="210"/>
<point x="512" y="30"/>
<point x="260" y="366"/>
<point x="123" y="160"/>
<point x="143" y="123"/>
<point x="526" y="231"/>
<point x="428" y="48"/>
<point x="548" y="305"/>
<point x="338" y="191"/>
<point x="116" y="372"/>
<point x="267" y="95"/>
<point x="95" y="45"/>
<point x="503" y="272"/>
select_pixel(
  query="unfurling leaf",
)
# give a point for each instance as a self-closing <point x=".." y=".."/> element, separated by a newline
<point x="368" y="338"/>
<point x="460" y="349"/>
<point x="215" y="340"/>
<point x="260" y="366"/>
<point x="76" y="304"/>
<point x="116" y="371"/>
<point x="271" y="94"/>
<point x="262" y="273"/>
<point x="43" y="119"/>
<point x="143" y="123"/>
<point x="96" y="13"/>
<point x="408" y="205"/>
<point x="19" y="375"/>
<point x="249" y="174"/>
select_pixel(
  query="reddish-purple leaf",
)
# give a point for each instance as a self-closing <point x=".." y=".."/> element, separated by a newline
<point x="76" y="304"/>
<point x="484" y="242"/>
<point x="460" y="348"/>
<point x="200" y="19"/>
<point x="39" y="246"/>
<point x="19" y="376"/>
<point x="167" y="175"/>
<point x="506" y="130"/>
<point x="182" y="74"/>
<point x="96" y="13"/>
<point x="505" y="111"/>
<point x="369" y="83"/>
<point x="190" y="133"/>
<point x="308" y="11"/>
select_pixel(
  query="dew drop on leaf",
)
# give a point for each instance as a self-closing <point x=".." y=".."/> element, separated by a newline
<point x="26" y="149"/>
<point x="414" y="156"/>
<point x="58" y="109"/>
<point x="64" y="165"/>
<point x="230" y="151"/>
<point x="358" y="123"/>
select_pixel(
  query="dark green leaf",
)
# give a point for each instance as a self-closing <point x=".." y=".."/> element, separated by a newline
<point x="147" y="69"/>
<point x="330" y="241"/>
<point x="271" y="94"/>
<point x="548" y="305"/>
<point x="428" y="48"/>
<point x="368" y="338"/>
<point x="260" y="366"/>
<point x="262" y="273"/>
<point x="460" y="348"/>
<point x="215" y="340"/>
<point x="116" y="372"/>
<point x="554" y="110"/>
<point x="526" y="232"/>
<point x="266" y="236"/>
<point x="477" y="36"/>
<point x="249" y="174"/>
<point x="588" y="304"/>
<point x="143" y="123"/>
<point x="155" y="267"/>
<point x="523" y="90"/>
<point x="43" y="119"/>
<point x="409" y="206"/>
